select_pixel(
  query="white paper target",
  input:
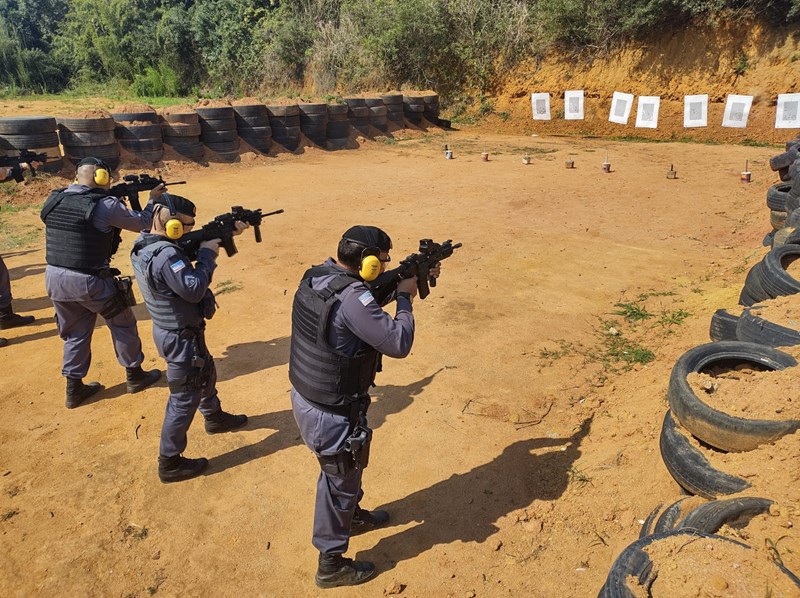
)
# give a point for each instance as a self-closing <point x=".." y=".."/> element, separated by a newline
<point x="540" y="105"/>
<point x="695" y="111"/>
<point x="647" y="112"/>
<point x="788" y="113"/>
<point x="737" y="110"/>
<point x="573" y="104"/>
<point x="621" y="104"/>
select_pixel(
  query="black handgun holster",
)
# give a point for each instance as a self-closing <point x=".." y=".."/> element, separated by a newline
<point x="204" y="373"/>
<point x="121" y="300"/>
<point x="354" y="455"/>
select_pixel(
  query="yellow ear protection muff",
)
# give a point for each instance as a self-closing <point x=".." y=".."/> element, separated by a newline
<point x="370" y="266"/>
<point x="102" y="176"/>
<point x="173" y="227"/>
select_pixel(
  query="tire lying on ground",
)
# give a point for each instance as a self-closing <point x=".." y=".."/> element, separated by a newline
<point x="634" y="573"/>
<point x="777" y="219"/>
<point x="715" y="428"/>
<point x="690" y="469"/>
<point x="776" y="196"/>
<point x="723" y="326"/>
<point x="634" y="562"/>
<point x="785" y="159"/>
<point x="753" y="291"/>
<point x="774" y="278"/>
<point x="711" y="516"/>
<point x="754" y="329"/>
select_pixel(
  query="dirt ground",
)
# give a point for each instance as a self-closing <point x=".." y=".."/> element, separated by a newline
<point x="515" y="455"/>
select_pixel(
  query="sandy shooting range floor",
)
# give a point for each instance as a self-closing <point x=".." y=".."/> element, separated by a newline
<point x="510" y="462"/>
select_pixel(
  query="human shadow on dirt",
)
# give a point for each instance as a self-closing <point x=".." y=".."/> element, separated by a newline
<point x="18" y="272"/>
<point x="466" y="507"/>
<point x="242" y="359"/>
<point x="51" y="330"/>
<point x="24" y="305"/>
<point x="392" y="399"/>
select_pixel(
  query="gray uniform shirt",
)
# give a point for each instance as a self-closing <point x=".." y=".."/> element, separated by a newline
<point x="357" y="319"/>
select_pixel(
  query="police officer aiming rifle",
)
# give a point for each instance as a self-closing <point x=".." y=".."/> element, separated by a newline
<point x="83" y="224"/>
<point x="179" y="300"/>
<point x="339" y="334"/>
<point x="9" y="319"/>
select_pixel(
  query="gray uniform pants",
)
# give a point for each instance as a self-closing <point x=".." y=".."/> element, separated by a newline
<point x="77" y="299"/>
<point x="178" y="348"/>
<point x="5" y="285"/>
<point x="337" y="495"/>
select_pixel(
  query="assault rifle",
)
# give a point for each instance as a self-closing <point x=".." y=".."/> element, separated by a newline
<point x="223" y="227"/>
<point x="415" y="265"/>
<point x="15" y="163"/>
<point x="135" y="183"/>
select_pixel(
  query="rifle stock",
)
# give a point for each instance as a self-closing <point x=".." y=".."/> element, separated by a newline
<point x="134" y="183"/>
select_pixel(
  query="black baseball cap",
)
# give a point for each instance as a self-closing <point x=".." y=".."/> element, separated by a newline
<point x="176" y="204"/>
<point x="93" y="162"/>
<point x="368" y="236"/>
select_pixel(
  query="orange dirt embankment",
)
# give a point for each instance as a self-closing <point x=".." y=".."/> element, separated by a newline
<point x="690" y="60"/>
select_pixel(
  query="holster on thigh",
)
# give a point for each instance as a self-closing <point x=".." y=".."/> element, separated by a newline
<point x="122" y="299"/>
<point x="341" y="465"/>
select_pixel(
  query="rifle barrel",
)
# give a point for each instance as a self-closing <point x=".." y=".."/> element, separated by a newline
<point x="273" y="213"/>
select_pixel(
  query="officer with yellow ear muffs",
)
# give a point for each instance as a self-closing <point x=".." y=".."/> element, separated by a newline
<point x="179" y="300"/>
<point x="82" y="231"/>
<point x="339" y="335"/>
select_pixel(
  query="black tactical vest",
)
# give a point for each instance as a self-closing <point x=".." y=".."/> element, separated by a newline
<point x="316" y="370"/>
<point x="71" y="239"/>
<point x="167" y="309"/>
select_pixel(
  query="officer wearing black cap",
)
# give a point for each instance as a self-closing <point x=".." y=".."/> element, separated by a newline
<point x="9" y="319"/>
<point x="179" y="300"/>
<point x="339" y="334"/>
<point x="83" y="224"/>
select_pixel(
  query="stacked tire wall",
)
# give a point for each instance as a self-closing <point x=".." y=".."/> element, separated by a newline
<point x="338" y="127"/>
<point x="394" y="107"/>
<point x="218" y="132"/>
<point x="89" y="137"/>
<point x="314" y="122"/>
<point x="358" y="113"/>
<point x="252" y="123"/>
<point x="414" y="109"/>
<point x="33" y="133"/>
<point x="285" y="123"/>
<point x="181" y="131"/>
<point x="140" y="134"/>
<point x="377" y="114"/>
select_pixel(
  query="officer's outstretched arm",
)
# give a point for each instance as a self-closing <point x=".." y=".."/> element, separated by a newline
<point x="365" y="318"/>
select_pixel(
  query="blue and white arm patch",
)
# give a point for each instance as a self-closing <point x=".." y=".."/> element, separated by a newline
<point x="366" y="298"/>
<point x="177" y="266"/>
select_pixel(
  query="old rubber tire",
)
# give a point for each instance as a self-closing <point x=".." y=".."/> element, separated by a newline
<point x="137" y="131"/>
<point x="753" y="291"/>
<point x="251" y="111"/>
<point x="634" y="562"/>
<point x="261" y="120"/>
<point x="723" y="326"/>
<point x="776" y="196"/>
<point x="27" y="125"/>
<point x="283" y="110"/>
<point x="110" y="150"/>
<point x="223" y="147"/>
<point x="221" y="136"/>
<point x="785" y="159"/>
<point x="129" y="117"/>
<point x="186" y="118"/>
<point x="180" y="129"/>
<point x="82" y="139"/>
<point x="721" y="430"/>
<point x="754" y="329"/>
<point x="142" y="145"/>
<point x="690" y="468"/>
<point x="711" y="516"/>
<point x="26" y="142"/>
<point x="215" y="113"/>
<point x="777" y="219"/>
<point x="86" y="125"/>
<point x="337" y="109"/>
<point x="775" y="280"/>
<point x="217" y="124"/>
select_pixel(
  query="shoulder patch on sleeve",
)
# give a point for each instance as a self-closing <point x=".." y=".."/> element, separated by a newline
<point x="177" y="265"/>
<point x="366" y="298"/>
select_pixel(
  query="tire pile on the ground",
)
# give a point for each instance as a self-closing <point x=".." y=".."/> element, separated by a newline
<point x="691" y="425"/>
<point x="36" y="134"/>
<point x="218" y="131"/>
<point x="180" y="129"/>
<point x="252" y="122"/>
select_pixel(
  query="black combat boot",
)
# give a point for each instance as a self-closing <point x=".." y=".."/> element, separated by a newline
<point x="8" y="319"/>
<point x="78" y="392"/>
<point x="179" y="468"/>
<point x="138" y="379"/>
<point x="366" y="521"/>
<point x="219" y="422"/>
<point x="334" y="570"/>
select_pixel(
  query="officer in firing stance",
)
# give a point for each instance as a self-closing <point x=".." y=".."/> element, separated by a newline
<point x="82" y="230"/>
<point x="339" y="334"/>
<point x="8" y="319"/>
<point x="179" y="300"/>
